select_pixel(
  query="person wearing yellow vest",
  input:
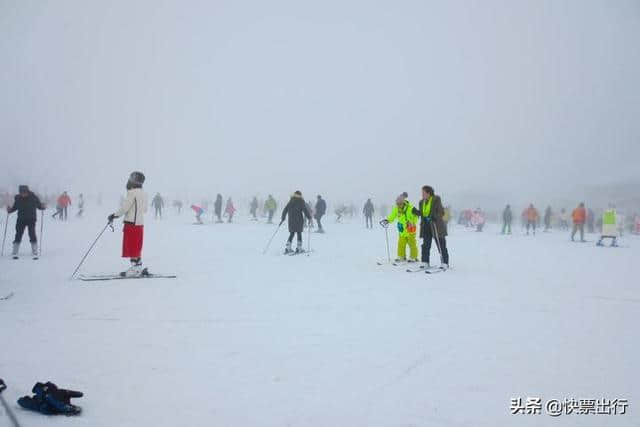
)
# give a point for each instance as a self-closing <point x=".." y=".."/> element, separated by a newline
<point x="402" y="212"/>
<point x="432" y="226"/>
<point x="609" y="226"/>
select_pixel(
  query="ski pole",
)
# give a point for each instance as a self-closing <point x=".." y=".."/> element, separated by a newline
<point x="41" y="232"/>
<point x="4" y="238"/>
<point x="109" y="224"/>
<point x="7" y="409"/>
<point x="434" y="230"/>
<point x="271" y="239"/>
<point x="309" y="240"/>
<point x="386" y="235"/>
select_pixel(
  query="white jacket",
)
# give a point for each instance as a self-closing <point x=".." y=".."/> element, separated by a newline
<point x="134" y="206"/>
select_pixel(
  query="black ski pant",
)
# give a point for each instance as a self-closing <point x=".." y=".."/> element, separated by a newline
<point x="426" y="246"/>
<point x="318" y="218"/>
<point x="21" y="225"/>
<point x="369" y="221"/>
<point x="531" y="224"/>
<point x="577" y="227"/>
<point x="292" y="233"/>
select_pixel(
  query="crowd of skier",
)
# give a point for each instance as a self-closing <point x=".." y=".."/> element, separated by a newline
<point x="427" y="219"/>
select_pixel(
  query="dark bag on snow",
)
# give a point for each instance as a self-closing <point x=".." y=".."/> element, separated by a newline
<point x="48" y="399"/>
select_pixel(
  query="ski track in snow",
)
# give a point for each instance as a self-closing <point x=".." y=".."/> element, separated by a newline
<point x="332" y="339"/>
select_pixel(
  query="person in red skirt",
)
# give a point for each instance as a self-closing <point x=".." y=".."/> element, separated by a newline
<point x="133" y="208"/>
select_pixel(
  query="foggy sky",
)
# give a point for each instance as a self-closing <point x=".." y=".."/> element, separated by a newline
<point x="347" y="98"/>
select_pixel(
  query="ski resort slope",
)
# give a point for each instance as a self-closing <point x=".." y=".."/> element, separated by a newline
<point x="331" y="339"/>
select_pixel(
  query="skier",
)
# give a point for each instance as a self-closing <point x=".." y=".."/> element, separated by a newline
<point x="591" y="217"/>
<point x="478" y="219"/>
<point x="609" y="226"/>
<point x="80" y="206"/>
<point x="199" y="211"/>
<point x="26" y="203"/>
<point x="270" y="207"/>
<point x="217" y="207"/>
<point x="432" y="226"/>
<point x="229" y="210"/>
<point x="133" y="209"/>
<point x="64" y="201"/>
<point x="158" y="203"/>
<point x="309" y="223"/>
<point x="402" y="211"/>
<point x="253" y="208"/>
<point x="547" y="218"/>
<point x="320" y="210"/>
<point x="296" y="210"/>
<point x="579" y="216"/>
<point x="507" y="218"/>
<point x="532" y="218"/>
<point x="564" y="220"/>
<point x="177" y="204"/>
<point x="368" y="211"/>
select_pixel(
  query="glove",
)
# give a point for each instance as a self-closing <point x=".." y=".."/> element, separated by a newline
<point x="111" y="217"/>
<point x="384" y="223"/>
<point x="400" y="228"/>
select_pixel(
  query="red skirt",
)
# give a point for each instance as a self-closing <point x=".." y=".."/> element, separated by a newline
<point x="132" y="241"/>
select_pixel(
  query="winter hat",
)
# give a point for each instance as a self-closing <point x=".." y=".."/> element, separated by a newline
<point x="23" y="189"/>
<point x="136" y="178"/>
<point x="298" y="193"/>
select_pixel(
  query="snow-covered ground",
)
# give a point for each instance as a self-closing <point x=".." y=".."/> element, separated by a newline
<point x="332" y="339"/>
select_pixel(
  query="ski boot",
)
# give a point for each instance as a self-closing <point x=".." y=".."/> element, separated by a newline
<point x="299" y="249"/>
<point x="34" y="250"/>
<point x="136" y="269"/>
<point x="614" y="243"/>
<point x="444" y="266"/>
<point x="425" y="265"/>
<point x="287" y="249"/>
<point x="412" y="260"/>
<point x="400" y="259"/>
<point x="15" y="250"/>
<point x="599" y="243"/>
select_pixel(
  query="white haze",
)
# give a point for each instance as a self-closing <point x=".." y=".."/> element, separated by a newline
<point x="350" y="99"/>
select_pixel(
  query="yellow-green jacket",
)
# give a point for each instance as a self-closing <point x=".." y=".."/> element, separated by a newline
<point x="406" y="219"/>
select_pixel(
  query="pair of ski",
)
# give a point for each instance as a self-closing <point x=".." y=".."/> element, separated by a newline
<point x="294" y="253"/>
<point x="418" y="269"/>
<point x="104" y="277"/>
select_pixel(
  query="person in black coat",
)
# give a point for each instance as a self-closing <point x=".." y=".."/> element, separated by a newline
<point x="432" y="226"/>
<point x="507" y="217"/>
<point x="296" y="210"/>
<point x="217" y="207"/>
<point x="26" y="204"/>
<point x="321" y="209"/>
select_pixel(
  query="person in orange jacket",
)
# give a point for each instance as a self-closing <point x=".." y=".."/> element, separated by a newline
<point x="63" y="203"/>
<point x="531" y="215"/>
<point x="579" y="215"/>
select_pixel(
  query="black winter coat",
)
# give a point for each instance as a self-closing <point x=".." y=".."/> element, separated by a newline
<point x="321" y="208"/>
<point x="437" y="212"/>
<point x="26" y="207"/>
<point x="296" y="209"/>
<point x="217" y="206"/>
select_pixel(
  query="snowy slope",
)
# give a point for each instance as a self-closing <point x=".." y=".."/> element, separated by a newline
<point x="245" y="339"/>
